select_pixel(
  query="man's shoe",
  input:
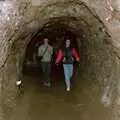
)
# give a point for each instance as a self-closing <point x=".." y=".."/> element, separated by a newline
<point x="48" y="84"/>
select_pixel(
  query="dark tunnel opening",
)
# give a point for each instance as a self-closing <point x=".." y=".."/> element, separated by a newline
<point x="94" y="47"/>
<point x="57" y="34"/>
<point x="56" y="39"/>
<point x="91" y="44"/>
<point x="87" y="82"/>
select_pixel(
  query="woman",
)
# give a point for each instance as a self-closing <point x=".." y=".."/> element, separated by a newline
<point x="67" y="55"/>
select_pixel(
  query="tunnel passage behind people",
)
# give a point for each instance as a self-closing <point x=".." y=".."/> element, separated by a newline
<point x="57" y="34"/>
<point x="97" y="56"/>
<point x="92" y="68"/>
<point x="98" y="64"/>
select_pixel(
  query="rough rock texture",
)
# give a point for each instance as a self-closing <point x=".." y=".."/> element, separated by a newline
<point x="95" y="22"/>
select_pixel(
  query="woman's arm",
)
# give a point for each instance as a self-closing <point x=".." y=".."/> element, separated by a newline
<point x="75" y="54"/>
<point x="59" y="56"/>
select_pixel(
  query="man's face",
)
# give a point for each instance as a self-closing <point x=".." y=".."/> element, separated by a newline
<point x="45" y="41"/>
<point x="67" y="43"/>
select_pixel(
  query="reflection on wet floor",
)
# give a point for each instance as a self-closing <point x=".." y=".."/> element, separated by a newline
<point x="41" y="103"/>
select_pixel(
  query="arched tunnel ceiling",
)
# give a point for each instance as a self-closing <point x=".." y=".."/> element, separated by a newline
<point x="20" y="19"/>
<point x="80" y="17"/>
<point x="77" y="26"/>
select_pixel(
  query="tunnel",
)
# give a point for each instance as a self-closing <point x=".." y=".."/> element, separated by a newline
<point x="24" y="25"/>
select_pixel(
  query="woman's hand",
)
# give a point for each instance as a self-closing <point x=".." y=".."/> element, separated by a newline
<point x="77" y="59"/>
<point x="78" y="63"/>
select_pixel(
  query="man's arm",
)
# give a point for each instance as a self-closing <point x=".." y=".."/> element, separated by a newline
<point x="39" y="50"/>
<point x="51" y="50"/>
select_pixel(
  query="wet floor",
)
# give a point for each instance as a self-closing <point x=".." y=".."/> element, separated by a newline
<point x="41" y="103"/>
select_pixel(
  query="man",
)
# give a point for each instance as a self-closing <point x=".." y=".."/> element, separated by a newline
<point x="67" y="55"/>
<point x="46" y="51"/>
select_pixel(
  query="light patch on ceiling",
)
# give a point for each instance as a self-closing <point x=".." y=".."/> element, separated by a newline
<point x="35" y="2"/>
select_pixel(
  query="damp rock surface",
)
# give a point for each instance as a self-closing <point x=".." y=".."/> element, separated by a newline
<point x="94" y="22"/>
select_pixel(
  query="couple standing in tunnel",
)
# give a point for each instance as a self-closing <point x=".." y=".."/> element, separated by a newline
<point x="66" y="54"/>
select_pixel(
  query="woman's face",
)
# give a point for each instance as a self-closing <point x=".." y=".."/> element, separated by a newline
<point x="67" y="43"/>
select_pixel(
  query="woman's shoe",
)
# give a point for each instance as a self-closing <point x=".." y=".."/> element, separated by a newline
<point x="68" y="89"/>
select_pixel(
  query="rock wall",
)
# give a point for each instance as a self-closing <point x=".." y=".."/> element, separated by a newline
<point x="95" y="22"/>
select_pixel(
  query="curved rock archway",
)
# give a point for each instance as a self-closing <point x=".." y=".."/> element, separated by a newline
<point x="23" y="21"/>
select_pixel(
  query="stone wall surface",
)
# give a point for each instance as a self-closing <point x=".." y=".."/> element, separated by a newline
<point x="20" y="16"/>
<point x="95" y="22"/>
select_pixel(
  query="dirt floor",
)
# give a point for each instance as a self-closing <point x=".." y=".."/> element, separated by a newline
<point x="42" y="103"/>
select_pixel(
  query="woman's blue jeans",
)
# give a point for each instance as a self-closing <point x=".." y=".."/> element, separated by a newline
<point x="68" y="72"/>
